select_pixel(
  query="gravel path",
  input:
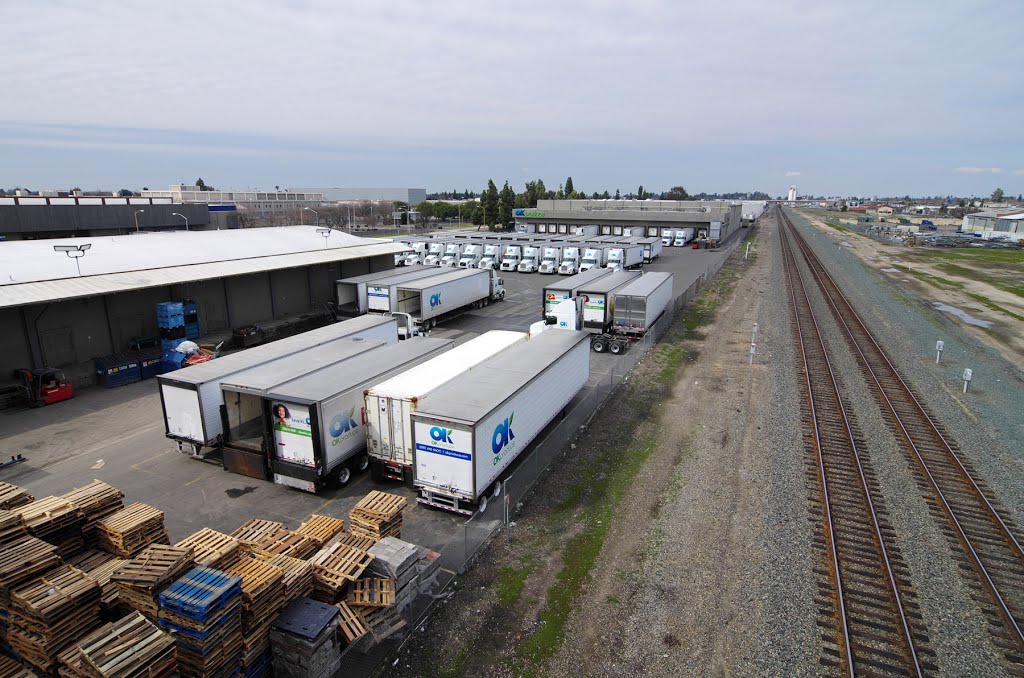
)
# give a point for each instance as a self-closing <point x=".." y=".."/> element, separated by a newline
<point x="956" y="628"/>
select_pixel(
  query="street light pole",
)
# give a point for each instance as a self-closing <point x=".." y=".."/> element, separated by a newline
<point x="316" y="214"/>
<point x="178" y="214"/>
<point x="75" y="252"/>
<point x="326" y="233"/>
<point x="137" y="219"/>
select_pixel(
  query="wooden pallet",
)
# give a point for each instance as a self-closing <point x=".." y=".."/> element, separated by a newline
<point x="128" y="531"/>
<point x="297" y="575"/>
<point x="140" y="580"/>
<point x="212" y="548"/>
<point x="288" y="543"/>
<point x="9" y="668"/>
<point x="131" y="646"/>
<point x="12" y="496"/>
<point x="96" y="501"/>
<point x="350" y="624"/>
<point x="23" y="560"/>
<point x="57" y="521"/>
<point x="12" y="527"/>
<point x="377" y="515"/>
<point x="99" y="567"/>
<point x="334" y="567"/>
<point x="321" y="528"/>
<point x="359" y="541"/>
<point x="371" y="592"/>
<point x="254" y="531"/>
<point x="262" y="600"/>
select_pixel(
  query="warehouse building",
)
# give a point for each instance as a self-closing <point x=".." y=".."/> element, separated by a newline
<point x="716" y="220"/>
<point x="94" y="296"/>
<point x="31" y="217"/>
<point x="1008" y="223"/>
<point x="410" y="196"/>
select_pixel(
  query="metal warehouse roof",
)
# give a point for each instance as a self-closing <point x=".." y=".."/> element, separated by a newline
<point x="32" y="272"/>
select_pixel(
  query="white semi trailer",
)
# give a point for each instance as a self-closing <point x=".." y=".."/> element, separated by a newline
<point x="191" y="397"/>
<point x="316" y="424"/>
<point x="568" y="288"/>
<point x="430" y="300"/>
<point x="468" y="433"/>
<point x="351" y="293"/>
<point x="599" y="299"/>
<point x="378" y="291"/>
<point x="625" y="257"/>
<point x="390" y="404"/>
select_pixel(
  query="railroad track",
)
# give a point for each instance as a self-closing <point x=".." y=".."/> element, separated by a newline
<point x="985" y="540"/>
<point x="870" y="622"/>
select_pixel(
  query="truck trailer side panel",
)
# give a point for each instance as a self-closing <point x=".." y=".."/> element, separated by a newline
<point x="640" y="303"/>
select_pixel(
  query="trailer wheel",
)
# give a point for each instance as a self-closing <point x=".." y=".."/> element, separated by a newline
<point x="482" y="504"/>
<point x="343" y="475"/>
<point x="598" y="345"/>
<point x="362" y="463"/>
<point x="496" y="492"/>
<point x="616" y="348"/>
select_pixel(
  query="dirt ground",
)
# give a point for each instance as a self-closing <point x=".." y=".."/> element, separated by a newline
<point x="644" y="550"/>
<point x="986" y="284"/>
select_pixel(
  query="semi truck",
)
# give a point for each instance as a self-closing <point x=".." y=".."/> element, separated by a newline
<point x="570" y="264"/>
<point x="243" y="443"/>
<point x="593" y="257"/>
<point x="652" y="248"/>
<point x="416" y="256"/>
<point x="378" y="291"/>
<point x="511" y="257"/>
<point x="430" y="300"/>
<point x="549" y="261"/>
<point x="350" y="293"/>
<point x="599" y="300"/>
<point x="471" y="256"/>
<point x="191" y="397"/>
<point x="468" y="433"/>
<point x="390" y="404"/>
<point x="625" y="257"/>
<point x="530" y="261"/>
<point x="452" y="255"/>
<point x="316" y="425"/>
<point x="683" y="236"/>
<point x="491" y="259"/>
<point x="435" y="252"/>
<point x="568" y="288"/>
<point x="667" y="238"/>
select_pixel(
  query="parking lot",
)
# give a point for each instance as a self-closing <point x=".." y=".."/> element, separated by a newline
<point x="117" y="436"/>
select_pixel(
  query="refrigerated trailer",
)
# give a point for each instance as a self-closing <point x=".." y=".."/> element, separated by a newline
<point x="191" y="397"/>
<point x="638" y="305"/>
<point x="467" y="434"/>
<point x="599" y="299"/>
<point x="390" y="404"/>
<point x="316" y="425"/>
<point x="567" y="288"/>
<point x="350" y="293"/>
<point x="378" y="291"/>
<point x="625" y="257"/>
<point x="431" y="300"/>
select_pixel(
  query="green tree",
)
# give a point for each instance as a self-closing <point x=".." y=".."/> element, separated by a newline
<point x="201" y="185"/>
<point x="641" y="194"/>
<point x="595" y="196"/>
<point x="997" y="195"/>
<point x="489" y="204"/>
<point x="676" y="193"/>
<point x="568" y="188"/>
<point x="607" y="196"/>
<point x="506" y="203"/>
<point x="618" y="194"/>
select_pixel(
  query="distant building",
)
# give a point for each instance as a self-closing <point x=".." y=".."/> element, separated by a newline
<point x="792" y="194"/>
<point x="1008" y="222"/>
<point x="257" y="201"/>
<point x="715" y="219"/>
<point x="411" y="196"/>
<point x="886" y="211"/>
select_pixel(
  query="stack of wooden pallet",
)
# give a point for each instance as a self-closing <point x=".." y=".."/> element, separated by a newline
<point x="250" y="534"/>
<point x="57" y="521"/>
<point x="378" y="515"/>
<point x="131" y="646"/>
<point x="52" y="612"/>
<point x="262" y="600"/>
<point x="21" y="561"/>
<point x="359" y="541"/>
<point x="12" y="669"/>
<point x="12" y="496"/>
<point x="96" y="501"/>
<point x="298" y="575"/>
<point x="99" y="567"/>
<point x="351" y="624"/>
<point x="12" y="527"/>
<point x="288" y="543"/>
<point x="212" y="548"/>
<point x="321" y="528"/>
<point x="141" y="580"/>
<point x="334" y="568"/>
<point x="203" y="612"/>
<point x="128" y="531"/>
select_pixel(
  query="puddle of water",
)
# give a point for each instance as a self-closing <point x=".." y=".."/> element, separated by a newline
<point x="889" y="270"/>
<point x="963" y="315"/>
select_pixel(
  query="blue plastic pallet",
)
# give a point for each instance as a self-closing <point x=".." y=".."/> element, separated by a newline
<point x="201" y="592"/>
<point x="223" y="624"/>
<point x="192" y="331"/>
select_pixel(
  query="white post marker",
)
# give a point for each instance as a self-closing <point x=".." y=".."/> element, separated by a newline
<point x="939" y="345"/>
<point x="747" y="252"/>
<point x="967" y="378"/>
<point x="753" y="350"/>
<point x="753" y="335"/>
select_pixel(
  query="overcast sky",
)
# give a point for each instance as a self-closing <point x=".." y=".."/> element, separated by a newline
<point x="872" y="97"/>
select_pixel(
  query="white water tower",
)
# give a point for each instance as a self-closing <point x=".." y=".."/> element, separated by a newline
<point x="792" y="194"/>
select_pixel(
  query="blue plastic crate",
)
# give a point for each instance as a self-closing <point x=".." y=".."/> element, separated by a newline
<point x="117" y="369"/>
<point x="172" y="360"/>
<point x="201" y="592"/>
<point x="170" y="344"/>
<point x="192" y="331"/>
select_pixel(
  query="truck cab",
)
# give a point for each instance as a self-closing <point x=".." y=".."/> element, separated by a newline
<point x="491" y="259"/>
<point x="471" y="256"/>
<point x="452" y="254"/>
<point x="497" y="287"/>
<point x="530" y="261"/>
<point x="434" y="254"/>
<point x="570" y="261"/>
<point x="550" y="260"/>
<point x="510" y="260"/>
<point x="419" y="251"/>
<point x="667" y="237"/>
<point x="615" y="259"/>
<point x="592" y="258"/>
<point x="680" y="239"/>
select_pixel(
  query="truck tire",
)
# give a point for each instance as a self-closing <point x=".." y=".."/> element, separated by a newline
<point x="616" y="348"/>
<point x="342" y="475"/>
<point x="362" y="463"/>
<point x="598" y="345"/>
<point x="482" y="504"/>
<point x="496" y="490"/>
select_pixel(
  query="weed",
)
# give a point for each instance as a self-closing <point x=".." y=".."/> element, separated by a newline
<point x="511" y="581"/>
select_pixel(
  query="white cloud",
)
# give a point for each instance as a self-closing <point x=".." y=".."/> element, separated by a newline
<point x="792" y="173"/>
<point x="1017" y="172"/>
<point x="978" y="170"/>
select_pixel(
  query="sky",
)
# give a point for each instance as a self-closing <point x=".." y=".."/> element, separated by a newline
<point x="869" y="98"/>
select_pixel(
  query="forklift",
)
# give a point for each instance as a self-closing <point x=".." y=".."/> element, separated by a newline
<point x="44" y="386"/>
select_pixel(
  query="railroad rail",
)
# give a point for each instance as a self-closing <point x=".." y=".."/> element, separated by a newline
<point x="870" y="618"/>
<point x="984" y="539"/>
